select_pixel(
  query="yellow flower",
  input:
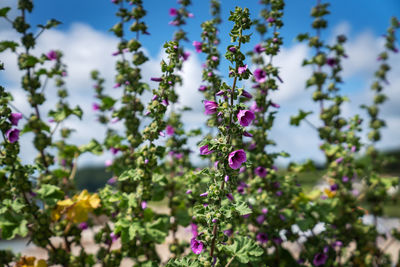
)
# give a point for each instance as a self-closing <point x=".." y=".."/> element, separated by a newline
<point x="329" y="193"/>
<point x="77" y="208"/>
<point x="30" y="262"/>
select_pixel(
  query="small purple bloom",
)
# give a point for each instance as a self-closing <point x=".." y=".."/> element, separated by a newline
<point x="228" y="232"/>
<point x="112" y="180"/>
<point x="52" y="55"/>
<point x="194" y="228"/>
<point x="165" y="102"/>
<point x="260" y="219"/>
<point x="320" y="259"/>
<point x="252" y="146"/>
<point x="259" y="49"/>
<point x="12" y="135"/>
<point x="83" y="226"/>
<point x="197" y="45"/>
<point x="230" y="197"/>
<point x="108" y="162"/>
<point x="337" y="244"/>
<point x="220" y="92"/>
<point x="353" y="149"/>
<point x="173" y="12"/>
<point x="162" y="134"/>
<point x="262" y="238"/>
<point x="14" y="118"/>
<point x="226" y="179"/>
<point x="275" y="105"/>
<point x="270" y="19"/>
<point x="260" y="171"/>
<point x="202" y="88"/>
<point x="188" y="192"/>
<point x="331" y="62"/>
<point x="339" y="160"/>
<point x="143" y="205"/>
<point x="334" y="187"/>
<point x="260" y="75"/>
<point x="282" y="217"/>
<point x="345" y="179"/>
<point x="95" y="106"/>
<point x="279" y="193"/>
<point x="242" y="169"/>
<point x="156" y="79"/>
<point x="236" y="158"/>
<point x="116" y="85"/>
<point x="185" y="55"/>
<point x="114" y="150"/>
<point x="210" y="107"/>
<point x="204" y="194"/>
<point x="247" y="94"/>
<point x="204" y="150"/>
<point x="242" y="69"/>
<point x="247" y="134"/>
<point x="232" y="49"/>
<point x="170" y="130"/>
<point x="264" y="210"/>
<point x="114" y="237"/>
<point x="214" y="58"/>
<point x="146" y="161"/>
<point x="245" y="117"/>
<point x="196" y="246"/>
<point x="214" y="220"/>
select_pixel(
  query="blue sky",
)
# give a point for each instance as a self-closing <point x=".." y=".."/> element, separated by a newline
<point x="87" y="44"/>
<point x="361" y="14"/>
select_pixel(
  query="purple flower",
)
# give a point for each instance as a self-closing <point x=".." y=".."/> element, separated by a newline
<point x="146" y="161"/>
<point x="202" y="88"/>
<point x="259" y="49"/>
<point x="262" y="238"/>
<point x="242" y="169"/>
<point x="214" y="58"/>
<point x="204" y="150"/>
<point x="226" y="178"/>
<point x="95" y="106"/>
<point x="83" y="226"/>
<point x="334" y="187"/>
<point x="270" y="19"/>
<point x="232" y="49"/>
<point x="173" y="12"/>
<point x="264" y="210"/>
<point x="196" y="246"/>
<point x="185" y="55"/>
<point x="204" y="194"/>
<point x="279" y="193"/>
<point x="345" y="179"/>
<point x="220" y="92"/>
<point x="260" y="219"/>
<point x="112" y="180"/>
<point x="236" y="158"/>
<point x="260" y="171"/>
<point x="282" y="217"/>
<point x="246" y="94"/>
<point x="116" y="53"/>
<point x="339" y="160"/>
<point x="247" y="134"/>
<point x="194" y="228"/>
<point x="165" y="102"/>
<point x="228" y="232"/>
<point x="331" y="62"/>
<point x="252" y="146"/>
<point x="52" y="55"/>
<point x="353" y="149"/>
<point x="155" y="79"/>
<point x="210" y="107"/>
<point x="242" y="69"/>
<point x="143" y="205"/>
<point x="161" y="133"/>
<point x="15" y="117"/>
<point x="214" y="220"/>
<point x="320" y="259"/>
<point x="114" y="237"/>
<point x="337" y="244"/>
<point x="12" y="135"/>
<point x="277" y="240"/>
<point x="197" y="45"/>
<point x="170" y="130"/>
<point x="114" y="150"/>
<point x="108" y="162"/>
<point x="116" y="85"/>
<point x="260" y="75"/>
<point x="245" y="117"/>
<point x="275" y="105"/>
<point x="188" y="192"/>
<point x="230" y="197"/>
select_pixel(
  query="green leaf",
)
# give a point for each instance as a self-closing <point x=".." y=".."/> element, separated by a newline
<point x="50" y="194"/>
<point x="4" y="11"/>
<point x="242" y="208"/>
<point x="107" y="102"/>
<point x="184" y="262"/>
<point x="244" y="250"/>
<point x="157" y="231"/>
<point x="93" y="147"/>
<point x="4" y="45"/>
<point x="295" y="120"/>
<point x="132" y="174"/>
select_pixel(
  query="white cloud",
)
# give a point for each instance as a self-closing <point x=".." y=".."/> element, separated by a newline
<point x="86" y="49"/>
